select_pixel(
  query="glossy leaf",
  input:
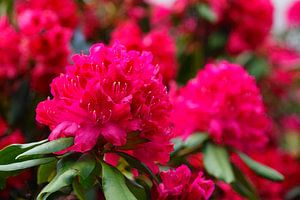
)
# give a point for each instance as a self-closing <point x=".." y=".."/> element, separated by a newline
<point x="114" y="185"/>
<point x="138" y="190"/>
<point x="195" y="140"/>
<point x="133" y="162"/>
<point x="60" y="180"/>
<point x="25" y="164"/>
<point x="217" y="163"/>
<point x="242" y="185"/>
<point x="78" y="189"/>
<point x="9" y="153"/>
<point x="49" y="147"/>
<point x="45" y="172"/>
<point x="260" y="169"/>
<point x="207" y="13"/>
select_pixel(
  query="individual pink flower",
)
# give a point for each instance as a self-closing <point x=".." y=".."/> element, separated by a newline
<point x="9" y="51"/>
<point x="66" y="11"/>
<point x="159" y="42"/>
<point x="293" y="14"/>
<point x="242" y="17"/>
<point x="180" y="184"/>
<point x="224" y="101"/>
<point x="104" y="98"/>
<point x="45" y="46"/>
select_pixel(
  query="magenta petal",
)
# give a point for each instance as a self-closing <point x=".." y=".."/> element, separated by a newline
<point x="114" y="134"/>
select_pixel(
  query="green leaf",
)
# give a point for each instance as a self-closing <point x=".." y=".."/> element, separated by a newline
<point x="60" y="180"/>
<point x="67" y="169"/>
<point x="195" y="140"/>
<point x="217" y="163"/>
<point x="293" y="194"/>
<point x="135" y="163"/>
<point x="78" y="189"/>
<point x="138" y="190"/>
<point x="84" y="165"/>
<point x="25" y="164"/>
<point x="49" y="147"/>
<point x="9" y="153"/>
<point x="133" y="140"/>
<point x="260" y="169"/>
<point x="207" y="13"/>
<point x="46" y="172"/>
<point x="114" y="185"/>
<point x="178" y="144"/>
<point x="242" y="185"/>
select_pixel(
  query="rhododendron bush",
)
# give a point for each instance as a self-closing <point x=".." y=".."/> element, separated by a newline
<point x="149" y="100"/>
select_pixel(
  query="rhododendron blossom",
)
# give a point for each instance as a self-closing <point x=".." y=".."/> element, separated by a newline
<point x="9" y="54"/>
<point x="224" y="101"/>
<point x="158" y="42"/>
<point x="242" y="17"/>
<point x="66" y="10"/>
<point x="109" y="96"/>
<point x="180" y="184"/>
<point x="45" y="43"/>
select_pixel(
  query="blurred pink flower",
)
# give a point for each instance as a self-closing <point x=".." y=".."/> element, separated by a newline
<point x="250" y="24"/>
<point x="158" y="42"/>
<point x="44" y="46"/>
<point x="66" y="10"/>
<point x="9" y="51"/>
<point x="293" y="14"/>
<point x="224" y="101"/>
<point x="104" y="98"/>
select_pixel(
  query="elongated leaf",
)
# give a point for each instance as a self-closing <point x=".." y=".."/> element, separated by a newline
<point x="46" y="172"/>
<point x="261" y="169"/>
<point x="242" y="185"/>
<point x="207" y="13"/>
<point x="9" y="153"/>
<point x="195" y="140"/>
<point x="133" y="162"/>
<point x="114" y="185"/>
<point x="25" y="164"/>
<point x="138" y="190"/>
<point x="293" y="194"/>
<point x="133" y="140"/>
<point x="67" y="170"/>
<point x="78" y="189"/>
<point x="59" y="181"/>
<point x="217" y="163"/>
<point x="49" y="147"/>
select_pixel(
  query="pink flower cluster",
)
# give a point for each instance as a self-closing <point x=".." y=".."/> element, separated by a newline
<point x="181" y="184"/>
<point x="158" y="42"/>
<point x="39" y="47"/>
<point x="105" y="97"/>
<point x="224" y="101"/>
<point x="66" y="11"/>
<point x="250" y="24"/>
<point x="9" y="54"/>
<point x="45" y="43"/>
